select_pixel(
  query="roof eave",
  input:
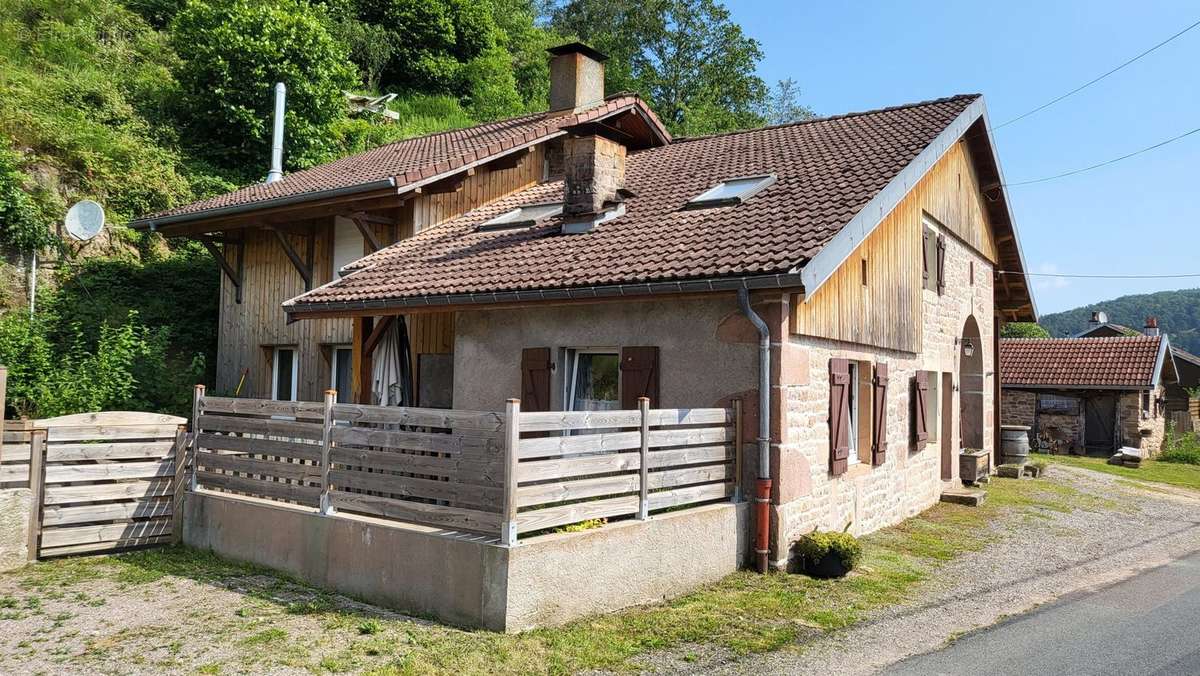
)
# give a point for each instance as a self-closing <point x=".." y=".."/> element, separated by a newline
<point x="299" y="310"/>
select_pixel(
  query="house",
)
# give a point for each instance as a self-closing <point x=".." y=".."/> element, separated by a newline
<point x="842" y="271"/>
<point x="1187" y="365"/>
<point x="1088" y="395"/>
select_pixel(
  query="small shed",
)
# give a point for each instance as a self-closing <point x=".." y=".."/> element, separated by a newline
<point x="1087" y="395"/>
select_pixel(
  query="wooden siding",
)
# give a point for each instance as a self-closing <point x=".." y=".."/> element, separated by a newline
<point x="249" y="330"/>
<point x="886" y="311"/>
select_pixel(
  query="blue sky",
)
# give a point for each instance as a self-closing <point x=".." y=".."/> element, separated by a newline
<point x="1139" y="216"/>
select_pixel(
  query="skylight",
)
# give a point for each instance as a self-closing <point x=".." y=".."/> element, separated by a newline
<point x="731" y="191"/>
<point x="522" y="217"/>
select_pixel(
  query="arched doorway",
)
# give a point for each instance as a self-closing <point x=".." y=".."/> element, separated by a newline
<point x="970" y="386"/>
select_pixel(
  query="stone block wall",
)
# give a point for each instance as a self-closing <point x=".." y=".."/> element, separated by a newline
<point x="1139" y="430"/>
<point x="868" y="497"/>
<point x="595" y="170"/>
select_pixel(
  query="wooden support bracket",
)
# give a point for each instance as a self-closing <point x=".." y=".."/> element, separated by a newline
<point x="367" y="231"/>
<point x="303" y="266"/>
<point x="376" y="335"/>
<point x="234" y="274"/>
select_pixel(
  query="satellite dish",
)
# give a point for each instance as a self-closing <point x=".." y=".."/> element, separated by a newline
<point x="85" y="220"/>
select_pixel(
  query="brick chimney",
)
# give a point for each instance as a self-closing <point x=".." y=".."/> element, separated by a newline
<point x="594" y="170"/>
<point x="576" y="77"/>
<point x="1151" y="328"/>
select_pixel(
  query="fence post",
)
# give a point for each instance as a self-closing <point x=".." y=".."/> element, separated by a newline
<point x="177" y="487"/>
<point x="644" y="460"/>
<point x="197" y="407"/>
<point x="3" y="386"/>
<point x="37" y="488"/>
<point x="512" y="441"/>
<point x="737" y="450"/>
<point x="326" y="441"/>
<point x="4" y="389"/>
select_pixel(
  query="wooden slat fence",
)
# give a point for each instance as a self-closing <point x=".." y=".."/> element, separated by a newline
<point x="475" y="471"/>
<point x="102" y="481"/>
<point x="612" y="464"/>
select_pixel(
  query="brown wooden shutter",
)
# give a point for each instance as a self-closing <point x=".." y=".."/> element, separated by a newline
<point x="839" y="416"/>
<point x="535" y="379"/>
<point x="639" y="376"/>
<point x="941" y="264"/>
<point x="879" y="415"/>
<point x="921" y="408"/>
<point x="925" y="258"/>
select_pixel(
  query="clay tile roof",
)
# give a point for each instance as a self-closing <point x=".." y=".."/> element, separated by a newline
<point x="411" y="160"/>
<point x="827" y="170"/>
<point x="1124" y="362"/>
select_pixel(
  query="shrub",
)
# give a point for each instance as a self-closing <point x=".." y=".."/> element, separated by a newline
<point x="816" y="545"/>
<point x="1181" y="448"/>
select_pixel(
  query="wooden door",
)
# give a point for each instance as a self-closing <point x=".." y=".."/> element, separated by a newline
<point x="1100" y="424"/>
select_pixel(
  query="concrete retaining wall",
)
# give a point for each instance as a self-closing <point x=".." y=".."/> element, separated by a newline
<point x="470" y="581"/>
<point x="14" y="528"/>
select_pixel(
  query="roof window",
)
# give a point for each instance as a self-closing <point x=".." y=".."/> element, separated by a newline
<point x="523" y="217"/>
<point x="731" y="191"/>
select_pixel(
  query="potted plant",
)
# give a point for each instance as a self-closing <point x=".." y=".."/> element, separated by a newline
<point x="828" y="555"/>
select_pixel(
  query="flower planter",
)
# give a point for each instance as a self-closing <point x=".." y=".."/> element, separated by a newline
<point x="826" y="567"/>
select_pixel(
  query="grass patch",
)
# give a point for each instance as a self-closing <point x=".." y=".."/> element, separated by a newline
<point x="1156" y="471"/>
<point x="743" y="613"/>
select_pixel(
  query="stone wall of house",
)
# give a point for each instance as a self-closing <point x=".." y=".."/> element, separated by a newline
<point x="868" y="497"/>
<point x="1018" y="407"/>
<point x="1140" y="430"/>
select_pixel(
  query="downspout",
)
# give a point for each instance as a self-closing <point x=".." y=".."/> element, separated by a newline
<point x="762" y="500"/>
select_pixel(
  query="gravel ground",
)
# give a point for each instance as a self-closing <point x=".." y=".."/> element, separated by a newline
<point x="1036" y="560"/>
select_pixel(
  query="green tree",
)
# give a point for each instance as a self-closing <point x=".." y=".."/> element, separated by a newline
<point x="687" y="57"/>
<point x="233" y="52"/>
<point x="783" y="105"/>
<point x="451" y="47"/>
<point x="1023" y="330"/>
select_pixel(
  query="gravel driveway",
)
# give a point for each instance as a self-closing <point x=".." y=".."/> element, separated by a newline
<point x="1036" y="560"/>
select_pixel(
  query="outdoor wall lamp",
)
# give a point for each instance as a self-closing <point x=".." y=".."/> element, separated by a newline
<point x="968" y="347"/>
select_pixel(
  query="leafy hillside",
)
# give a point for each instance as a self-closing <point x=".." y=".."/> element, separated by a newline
<point x="1178" y="315"/>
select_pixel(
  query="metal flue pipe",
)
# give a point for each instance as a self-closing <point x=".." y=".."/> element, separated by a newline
<point x="762" y="499"/>
<point x="276" y="171"/>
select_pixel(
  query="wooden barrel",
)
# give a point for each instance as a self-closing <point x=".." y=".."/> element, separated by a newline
<point x="1014" y="444"/>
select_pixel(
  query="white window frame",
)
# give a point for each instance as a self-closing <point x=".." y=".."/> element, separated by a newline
<point x="935" y="406"/>
<point x="853" y="459"/>
<point x="708" y="197"/>
<point x="517" y="218"/>
<point x="573" y="353"/>
<point x="275" y="373"/>
<point x="333" y="366"/>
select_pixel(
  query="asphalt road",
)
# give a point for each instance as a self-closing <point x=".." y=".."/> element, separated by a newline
<point x="1148" y="624"/>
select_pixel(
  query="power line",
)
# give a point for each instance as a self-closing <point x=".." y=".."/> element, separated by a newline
<point x="1093" y="81"/>
<point x="1106" y="162"/>
<point x="1056" y="274"/>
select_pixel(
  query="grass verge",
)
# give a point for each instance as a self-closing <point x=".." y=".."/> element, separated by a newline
<point x="284" y="623"/>
<point x="1156" y="471"/>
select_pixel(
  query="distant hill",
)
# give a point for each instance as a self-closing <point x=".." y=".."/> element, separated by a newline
<point x="1178" y="315"/>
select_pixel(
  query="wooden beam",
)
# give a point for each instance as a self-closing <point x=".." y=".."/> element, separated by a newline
<point x="367" y="231"/>
<point x="511" y="160"/>
<point x="377" y="334"/>
<point x="372" y="218"/>
<point x="235" y="275"/>
<point x="450" y="183"/>
<point x="385" y="199"/>
<point x="304" y="269"/>
<point x="360" y="379"/>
